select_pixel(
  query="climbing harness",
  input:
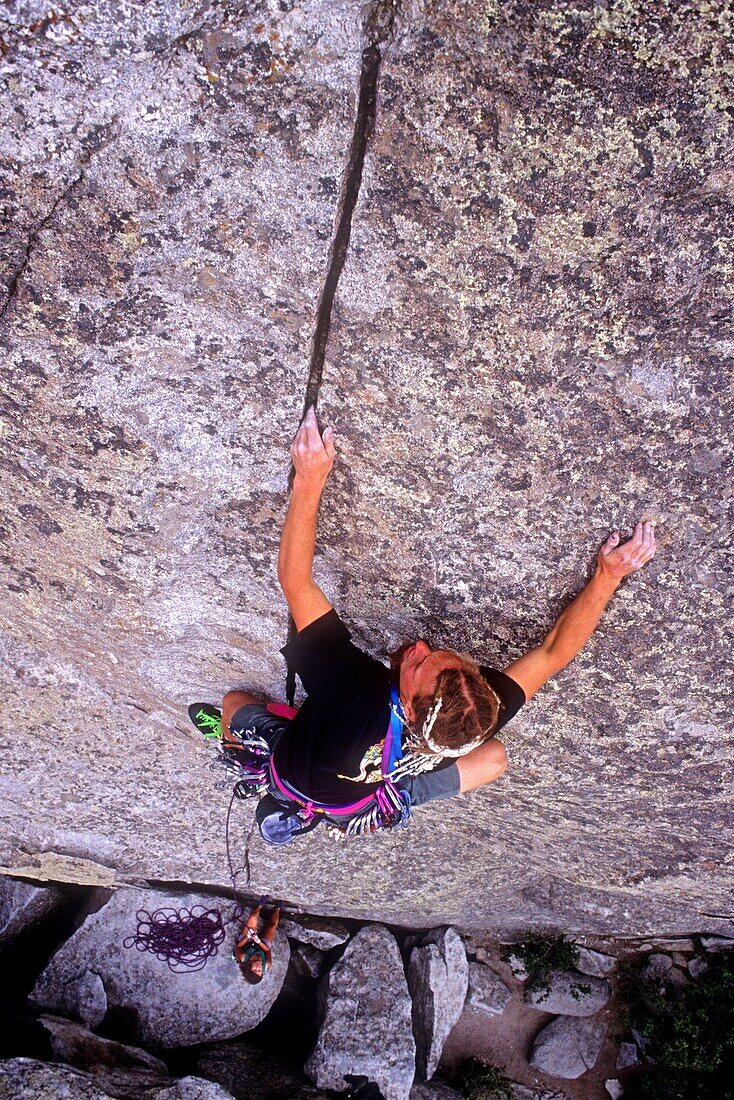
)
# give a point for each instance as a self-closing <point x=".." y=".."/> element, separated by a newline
<point x="285" y="812"/>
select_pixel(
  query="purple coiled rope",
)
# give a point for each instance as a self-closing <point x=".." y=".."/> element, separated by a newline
<point x="184" y="938"/>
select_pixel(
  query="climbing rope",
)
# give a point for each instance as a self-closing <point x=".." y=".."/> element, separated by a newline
<point x="185" y="939"/>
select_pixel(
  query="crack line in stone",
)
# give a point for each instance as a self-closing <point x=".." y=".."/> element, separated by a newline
<point x="378" y="27"/>
<point x="82" y="164"/>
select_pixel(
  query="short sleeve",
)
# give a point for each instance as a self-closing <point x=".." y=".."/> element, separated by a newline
<point x="443" y="782"/>
<point x="510" y="693"/>
<point x="329" y="663"/>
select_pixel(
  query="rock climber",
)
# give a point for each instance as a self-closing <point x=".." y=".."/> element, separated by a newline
<point x="449" y="708"/>
<point x="254" y="949"/>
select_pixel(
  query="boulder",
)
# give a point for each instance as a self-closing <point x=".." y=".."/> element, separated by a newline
<point x="697" y="966"/>
<point x="190" y="1088"/>
<point x="567" y="994"/>
<point x="29" y="1079"/>
<point x="487" y="992"/>
<point x="306" y="960"/>
<point x="614" y="1088"/>
<point x="568" y="1046"/>
<point x="152" y="1003"/>
<point x="594" y="963"/>
<point x="23" y="905"/>
<point x="438" y="979"/>
<point x="250" y="1074"/>
<point x="367" y="1024"/>
<point x="319" y="932"/>
<point x="656" y="968"/>
<point x="717" y="943"/>
<point x="76" y="1045"/>
<point x="643" y="1044"/>
<point x="628" y="1055"/>
<point x="82" y="995"/>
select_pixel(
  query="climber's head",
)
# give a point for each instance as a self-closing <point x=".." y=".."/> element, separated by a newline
<point x="253" y="964"/>
<point x="468" y="709"/>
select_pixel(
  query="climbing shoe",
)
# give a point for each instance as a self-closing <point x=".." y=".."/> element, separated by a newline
<point x="207" y="719"/>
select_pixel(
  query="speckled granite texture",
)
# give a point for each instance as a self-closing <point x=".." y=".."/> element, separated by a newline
<point x="528" y="348"/>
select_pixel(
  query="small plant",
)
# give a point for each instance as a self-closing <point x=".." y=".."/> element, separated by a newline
<point x="479" y="1081"/>
<point x="689" y="1035"/>
<point x="543" y="954"/>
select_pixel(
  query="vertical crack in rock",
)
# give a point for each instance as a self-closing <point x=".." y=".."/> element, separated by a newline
<point x="377" y="29"/>
<point x="20" y="270"/>
<point x="95" y="145"/>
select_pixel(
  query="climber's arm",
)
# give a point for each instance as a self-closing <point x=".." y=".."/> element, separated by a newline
<point x="577" y="623"/>
<point x="568" y="635"/>
<point x="271" y="925"/>
<point x="481" y="765"/>
<point x="313" y="458"/>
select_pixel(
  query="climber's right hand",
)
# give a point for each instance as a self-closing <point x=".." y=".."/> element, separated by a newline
<point x="313" y="456"/>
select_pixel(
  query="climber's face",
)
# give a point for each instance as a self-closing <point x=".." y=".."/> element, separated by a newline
<point x="419" y="669"/>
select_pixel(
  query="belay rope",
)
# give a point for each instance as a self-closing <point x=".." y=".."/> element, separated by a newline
<point x="187" y="938"/>
<point x="183" y="938"/>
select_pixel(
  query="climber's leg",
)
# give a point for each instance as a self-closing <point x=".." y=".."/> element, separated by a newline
<point x="232" y="701"/>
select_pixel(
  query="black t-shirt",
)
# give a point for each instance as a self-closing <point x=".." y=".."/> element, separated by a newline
<point x="332" y="750"/>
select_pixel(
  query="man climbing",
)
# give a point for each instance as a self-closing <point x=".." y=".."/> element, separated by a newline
<point x="436" y="711"/>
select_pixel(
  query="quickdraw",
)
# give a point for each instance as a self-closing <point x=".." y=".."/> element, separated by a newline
<point x="246" y="762"/>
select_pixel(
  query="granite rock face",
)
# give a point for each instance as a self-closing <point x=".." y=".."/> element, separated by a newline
<point x="147" y="999"/>
<point x="23" y="905"/>
<point x="526" y="351"/>
<point x="438" y="980"/>
<point x="367" y="1024"/>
